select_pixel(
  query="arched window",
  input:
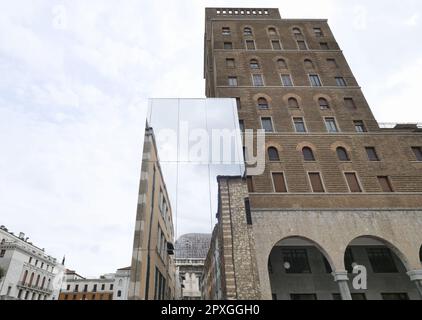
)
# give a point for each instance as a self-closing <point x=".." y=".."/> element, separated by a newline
<point x="293" y="103"/>
<point x="119" y="293"/>
<point x="282" y="63"/>
<point x="254" y="64"/>
<point x="323" y="104"/>
<point x="273" y="154"/>
<point x="309" y="64"/>
<point x="43" y="283"/>
<point x="263" y="103"/>
<point x="342" y="154"/>
<point x="272" y="31"/>
<point x="297" y="33"/>
<point x="31" y="279"/>
<point x="247" y="31"/>
<point x="25" y="275"/>
<point x="308" y="154"/>
<point x="38" y="281"/>
<point x="120" y="282"/>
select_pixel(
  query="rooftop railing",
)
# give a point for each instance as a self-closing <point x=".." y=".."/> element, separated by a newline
<point x="397" y="125"/>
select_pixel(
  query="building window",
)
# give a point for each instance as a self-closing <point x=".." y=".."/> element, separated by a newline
<point x="267" y="124"/>
<point x="327" y="265"/>
<point x="296" y="261"/>
<point x="282" y="64"/>
<point x="309" y="64"/>
<point x="228" y="45"/>
<point x="242" y="125"/>
<point x="342" y="154"/>
<point x="292" y="102"/>
<point x="263" y="103"/>
<point x="385" y="184"/>
<point x="303" y="296"/>
<point x="318" y="32"/>
<point x="232" y="81"/>
<point x="250" y="45"/>
<point x="324" y="46"/>
<point x="302" y="45"/>
<point x="381" y="260"/>
<point x="395" y="296"/>
<point x="2" y="253"/>
<point x="119" y="293"/>
<point x="359" y="126"/>
<point x="250" y="184"/>
<point x="315" y="80"/>
<point x="225" y="31"/>
<point x="316" y="182"/>
<point x="95" y="288"/>
<point x="372" y="154"/>
<point x="352" y="182"/>
<point x="279" y="182"/>
<point x="297" y="33"/>
<point x="272" y="31"/>
<point x="111" y="286"/>
<point x="286" y="80"/>
<point x="238" y="103"/>
<point x="258" y="80"/>
<point x="323" y="104"/>
<point x="332" y="63"/>
<point x="254" y="64"/>
<point x="330" y="124"/>
<point x="276" y="44"/>
<point x="230" y="63"/>
<point x="247" y="31"/>
<point x="68" y="287"/>
<point x="341" y="82"/>
<point x="308" y="154"/>
<point x="273" y="154"/>
<point x="76" y="288"/>
<point x="85" y="288"/>
<point x="350" y="103"/>
<point x="418" y="153"/>
<point x="299" y="125"/>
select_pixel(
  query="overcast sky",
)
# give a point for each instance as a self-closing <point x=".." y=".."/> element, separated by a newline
<point x="74" y="79"/>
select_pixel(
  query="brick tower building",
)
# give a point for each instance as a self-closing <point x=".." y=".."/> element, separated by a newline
<point x="339" y="189"/>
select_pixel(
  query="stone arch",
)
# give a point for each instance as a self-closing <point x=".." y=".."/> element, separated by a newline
<point x="245" y="27"/>
<point x="286" y="98"/>
<point x="304" y="144"/>
<point x="262" y="95"/>
<point x="269" y="144"/>
<point x="295" y="27"/>
<point x="341" y="144"/>
<point x="272" y="27"/>
<point x="286" y="60"/>
<point x="395" y="248"/>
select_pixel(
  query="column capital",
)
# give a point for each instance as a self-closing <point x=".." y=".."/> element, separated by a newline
<point x="340" y="275"/>
<point x="415" y="275"/>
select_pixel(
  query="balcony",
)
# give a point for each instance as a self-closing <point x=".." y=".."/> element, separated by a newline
<point x="35" y="288"/>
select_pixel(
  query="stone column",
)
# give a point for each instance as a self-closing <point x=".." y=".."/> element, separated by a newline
<point x="416" y="277"/>
<point x="342" y="279"/>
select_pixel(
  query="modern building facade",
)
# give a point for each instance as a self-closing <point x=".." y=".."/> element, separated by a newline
<point x="190" y="253"/>
<point x="339" y="189"/>
<point x="112" y="286"/>
<point x="28" y="272"/>
<point x="153" y="269"/>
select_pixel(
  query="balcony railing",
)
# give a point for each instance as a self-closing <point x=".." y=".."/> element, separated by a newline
<point x="398" y="126"/>
<point x="34" y="287"/>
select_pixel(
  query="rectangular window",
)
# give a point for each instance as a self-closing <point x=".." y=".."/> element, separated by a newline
<point x="286" y="80"/>
<point x="299" y="125"/>
<point x="303" y="296"/>
<point x="68" y="287"/>
<point x="296" y="261"/>
<point x="359" y="126"/>
<point x="332" y="63"/>
<point x="324" y="46"/>
<point x="85" y="288"/>
<point x="330" y="124"/>
<point x="76" y="288"/>
<point x="315" y="80"/>
<point x="258" y="80"/>
<point x="249" y="181"/>
<point x="2" y="253"/>
<point x="349" y="103"/>
<point x="353" y="183"/>
<point x="385" y="184"/>
<point x="395" y="296"/>
<point x="230" y="63"/>
<point x="238" y="103"/>
<point x="111" y="287"/>
<point x="250" y="45"/>
<point x="318" y="32"/>
<point x="228" y="45"/>
<point x="242" y="125"/>
<point x="103" y="287"/>
<point x="316" y="182"/>
<point x="418" y="153"/>
<point x="341" y="82"/>
<point x="372" y="154"/>
<point x="302" y="45"/>
<point x="267" y="124"/>
<point x="276" y="44"/>
<point x="381" y="260"/>
<point x="225" y="31"/>
<point x="232" y="81"/>
<point x="279" y="182"/>
<point x="95" y="288"/>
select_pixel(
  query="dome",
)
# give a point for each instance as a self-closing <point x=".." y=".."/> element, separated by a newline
<point x="192" y="246"/>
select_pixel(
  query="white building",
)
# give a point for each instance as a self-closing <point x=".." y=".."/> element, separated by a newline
<point x="29" y="273"/>
<point x="111" y="286"/>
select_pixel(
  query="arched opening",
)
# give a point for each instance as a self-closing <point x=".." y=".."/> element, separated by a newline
<point x="342" y="154"/>
<point x="31" y="279"/>
<point x="25" y="276"/>
<point x="247" y="31"/>
<point x="273" y="154"/>
<point x="323" y="104"/>
<point x="254" y="64"/>
<point x="308" y="154"/>
<point x="263" y="103"/>
<point x="272" y="31"/>
<point x="293" y="103"/>
<point x="299" y="269"/>
<point x="282" y="64"/>
<point x="386" y="271"/>
<point x="309" y="64"/>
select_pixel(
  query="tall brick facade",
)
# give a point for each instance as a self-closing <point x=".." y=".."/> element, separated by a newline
<point x="293" y="72"/>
